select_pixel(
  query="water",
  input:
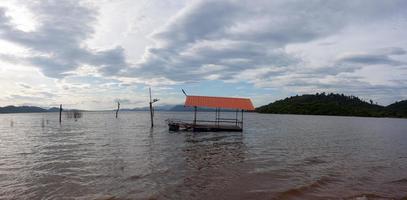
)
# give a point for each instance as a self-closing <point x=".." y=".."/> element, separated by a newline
<point x="276" y="157"/>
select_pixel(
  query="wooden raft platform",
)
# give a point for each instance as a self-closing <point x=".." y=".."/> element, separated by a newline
<point x="176" y="125"/>
<point x="220" y="123"/>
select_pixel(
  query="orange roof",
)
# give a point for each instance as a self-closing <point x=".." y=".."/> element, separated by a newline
<point x="219" y="102"/>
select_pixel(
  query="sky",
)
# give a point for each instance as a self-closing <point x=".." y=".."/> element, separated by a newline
<point x="90" y="54"/>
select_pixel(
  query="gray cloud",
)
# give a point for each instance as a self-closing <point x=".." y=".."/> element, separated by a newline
<point x="209" y="19"/>
<point x="57" y="44"/>
<point x="381" y="56"/>
<point x="369" y="59"/>
<point x="232" y="36"/>
<point x="23" y="85"/>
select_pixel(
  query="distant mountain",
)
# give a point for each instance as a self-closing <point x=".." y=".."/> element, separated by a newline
<point x="156" y="108"/>
<point x="31" y="109"/>
<point x="173" y="108"/>
<point x="53" y="109"/>
<point x="333" y="104"/>
<point x="134" y="109"/>
<point x="21" y="109"/>
<point x="181" y="108"/>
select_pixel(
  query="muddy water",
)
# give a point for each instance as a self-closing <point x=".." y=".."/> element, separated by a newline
<point x="276" y="157"/>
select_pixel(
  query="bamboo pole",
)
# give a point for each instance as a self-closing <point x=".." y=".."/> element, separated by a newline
<point x="242" y="119"/>
<point x="219" y="109"/>
<point x="60" y="113"/>
<point x="237" y="110"/>
<point x="216" y="116"/>
<point x="151" y="109"/>
<point x="195" y="109"/>
<point x="118" y="108"/>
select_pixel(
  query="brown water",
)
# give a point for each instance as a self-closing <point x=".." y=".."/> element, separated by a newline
<point x="276" y="157"/>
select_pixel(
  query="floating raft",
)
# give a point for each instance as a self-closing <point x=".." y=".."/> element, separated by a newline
<point x="177" y="125"/>
<point x="219" y="124"/>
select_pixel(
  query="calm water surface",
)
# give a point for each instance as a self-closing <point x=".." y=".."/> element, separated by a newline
<point x="276" y="157"/>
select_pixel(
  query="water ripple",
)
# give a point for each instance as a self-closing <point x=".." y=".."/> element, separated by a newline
<point x="276" y="157"/>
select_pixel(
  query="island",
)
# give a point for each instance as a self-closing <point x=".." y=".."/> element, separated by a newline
<point x="334" y="104"/>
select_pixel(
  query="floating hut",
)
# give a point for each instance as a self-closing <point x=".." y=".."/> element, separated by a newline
<point x="218" y="124"/>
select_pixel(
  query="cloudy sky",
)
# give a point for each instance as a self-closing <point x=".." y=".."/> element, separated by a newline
<point x="89" y="54"/>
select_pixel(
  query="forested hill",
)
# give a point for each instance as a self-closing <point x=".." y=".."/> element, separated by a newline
<point x="25" y="109"/>
<point x="399" y="108"/>
<point x="333" y="104"/>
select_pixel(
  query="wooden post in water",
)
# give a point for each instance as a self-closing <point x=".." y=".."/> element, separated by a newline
<point x="237" y="110"/>
<point x="151" y="109"/>
<point x="195" y="109"/>
<point x="242" y="119"/>
<point x="118" y="108"/>
<point x="216" y="116"/>
<point x="60" y="113"/>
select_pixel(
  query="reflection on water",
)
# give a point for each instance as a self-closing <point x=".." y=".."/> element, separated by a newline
<point x="276" y="157"/>
<point x="209" y="163"/>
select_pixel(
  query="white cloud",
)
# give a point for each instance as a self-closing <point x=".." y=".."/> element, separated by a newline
<point x="56" y="45"/>
<point x="88" y="47"/>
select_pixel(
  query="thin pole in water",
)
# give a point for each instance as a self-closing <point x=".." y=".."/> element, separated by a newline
<point x="237" y="110"/>
<point x="195" y="109"/>
<point x="118" y="108"/>
<point x="151" y="109"/>
<point x="60" y="113"/>
<point x="216" y="116"/>
<point x="242" y="119"/>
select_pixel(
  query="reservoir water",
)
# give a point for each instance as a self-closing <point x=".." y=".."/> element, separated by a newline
<point x="276" y="157"/>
